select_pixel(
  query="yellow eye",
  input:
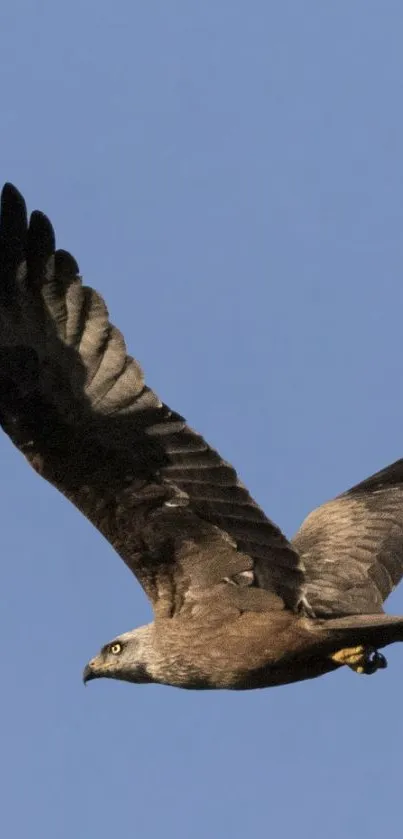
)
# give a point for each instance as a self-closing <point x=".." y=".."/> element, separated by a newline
<point x="115" y="649"/>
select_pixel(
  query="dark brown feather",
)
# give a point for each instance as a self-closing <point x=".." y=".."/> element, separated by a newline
<point x="76" y="405"/>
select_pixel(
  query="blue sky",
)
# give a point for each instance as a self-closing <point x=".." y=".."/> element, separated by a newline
<point x="230" y="176"/>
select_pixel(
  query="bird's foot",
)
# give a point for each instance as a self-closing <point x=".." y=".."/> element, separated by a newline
<point x="361" y="659"/>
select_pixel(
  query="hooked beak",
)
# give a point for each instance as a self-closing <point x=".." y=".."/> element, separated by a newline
<point x="90" y="671"/>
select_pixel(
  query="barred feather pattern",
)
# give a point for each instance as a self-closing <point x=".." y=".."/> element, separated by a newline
<point x="77" y="405"/>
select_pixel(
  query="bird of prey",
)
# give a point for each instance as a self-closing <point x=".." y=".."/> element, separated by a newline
<point x="236" y="604"/>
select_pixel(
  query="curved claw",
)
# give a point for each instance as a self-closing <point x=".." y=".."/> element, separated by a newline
<point x="374" y="661"/>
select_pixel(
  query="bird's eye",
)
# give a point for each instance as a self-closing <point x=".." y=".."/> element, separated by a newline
<point x="115" y="649"/>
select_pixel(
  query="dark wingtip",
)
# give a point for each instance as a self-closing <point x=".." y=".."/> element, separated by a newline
<point x="37" y="239"/>
<point x="12" y="200"/>
<point x="41" y="231"/>
<point x="13" y="231"/>
<point x="9" y="190"/>
<point x="65" y="263"/>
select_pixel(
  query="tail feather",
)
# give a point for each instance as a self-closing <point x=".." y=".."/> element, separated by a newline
<point x="369" y="630"/>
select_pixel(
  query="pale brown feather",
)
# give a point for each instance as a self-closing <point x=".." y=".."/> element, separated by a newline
<point x="352" y="547"/>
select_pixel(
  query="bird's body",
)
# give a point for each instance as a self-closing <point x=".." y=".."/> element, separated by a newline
<point x="240" y="651"/>
<point x="210" y="652"/>
<point x="236" y="604"/>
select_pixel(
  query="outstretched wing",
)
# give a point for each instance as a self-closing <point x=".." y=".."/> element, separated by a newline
<point x="352" y="547"/>
<point x="76" y="405"/>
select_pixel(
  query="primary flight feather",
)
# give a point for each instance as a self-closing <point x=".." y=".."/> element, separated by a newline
<point x="236" y="604"/>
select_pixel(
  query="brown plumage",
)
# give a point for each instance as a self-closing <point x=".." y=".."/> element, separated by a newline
<point x="236" y="604"/>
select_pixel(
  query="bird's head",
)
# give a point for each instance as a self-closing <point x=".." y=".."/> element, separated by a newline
<point x="125" y="658"/>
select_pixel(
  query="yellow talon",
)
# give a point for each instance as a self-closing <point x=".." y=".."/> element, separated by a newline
<point x="354" y="657"/>
<point x="360" y="659"/>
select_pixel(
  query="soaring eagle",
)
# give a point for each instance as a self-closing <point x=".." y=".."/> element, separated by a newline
<point x="236" y="604"/>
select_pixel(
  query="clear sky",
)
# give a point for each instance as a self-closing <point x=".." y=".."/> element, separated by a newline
<point x="230" y="176"/>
